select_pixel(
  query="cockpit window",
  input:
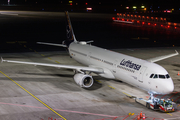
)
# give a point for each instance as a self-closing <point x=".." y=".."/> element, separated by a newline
<point x="155" y="76"/>
<point x="151" y="75"/>
<point x="167" y="76"/>
<point x="162" y="76"/>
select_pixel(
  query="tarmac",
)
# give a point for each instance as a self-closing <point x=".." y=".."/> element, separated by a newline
<point x="42" y="93"/>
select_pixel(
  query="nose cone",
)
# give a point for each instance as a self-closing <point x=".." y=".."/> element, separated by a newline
<point x="168" y="86"/>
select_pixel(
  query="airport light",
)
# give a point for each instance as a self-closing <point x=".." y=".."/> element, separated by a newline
<point x="149" y="23"/>
<point x="70" y="1"/>
<point x="88" y="8"/>
<point x="127" y="7"/>
<point x="142" y="6"/>
<point x="86" y="3"/>
<point x="134" y="7"/>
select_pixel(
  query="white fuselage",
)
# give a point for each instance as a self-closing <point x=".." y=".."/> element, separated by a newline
<point x="128" y="69"/>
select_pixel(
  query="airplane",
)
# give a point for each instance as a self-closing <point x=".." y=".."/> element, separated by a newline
<point x="143" y="74"/>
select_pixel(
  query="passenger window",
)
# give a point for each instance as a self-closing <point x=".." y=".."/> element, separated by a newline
<point x="151" y="75"/>
<point x="155" y="76"/>
<point x="162" y="76"/>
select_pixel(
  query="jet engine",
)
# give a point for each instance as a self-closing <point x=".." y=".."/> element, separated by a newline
<point x="84" y="81"/>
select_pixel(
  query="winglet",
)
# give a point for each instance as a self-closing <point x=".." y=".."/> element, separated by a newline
<point x="163" y="57"/>
<point x="176" y="52"/>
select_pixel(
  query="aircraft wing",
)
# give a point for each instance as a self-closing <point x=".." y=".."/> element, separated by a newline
<point x="53" y="44"/>
<point x="162" y="57"/>
<point x="78" y="68"/>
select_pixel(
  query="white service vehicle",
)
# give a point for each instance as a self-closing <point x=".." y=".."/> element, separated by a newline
<point x="158" y="104"/>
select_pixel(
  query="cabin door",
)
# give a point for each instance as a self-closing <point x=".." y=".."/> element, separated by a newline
<point x="141" y="74"/>
<point x="115" y="66"/>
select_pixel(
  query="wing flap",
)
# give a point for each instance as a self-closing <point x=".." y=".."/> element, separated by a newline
<point x="78" y="68"/>
<point x="162" y="57"/>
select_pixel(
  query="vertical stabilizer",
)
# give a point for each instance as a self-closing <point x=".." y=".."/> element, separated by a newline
<point x="69" y="31"/>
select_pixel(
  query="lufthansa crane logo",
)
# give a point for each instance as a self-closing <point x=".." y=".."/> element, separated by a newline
<point x="68" y="31"/>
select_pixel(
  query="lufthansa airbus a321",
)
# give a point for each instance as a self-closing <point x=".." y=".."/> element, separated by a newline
<point x="144" y="74"/>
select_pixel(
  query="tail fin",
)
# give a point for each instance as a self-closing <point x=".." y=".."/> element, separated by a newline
<point x="69" y="31"/>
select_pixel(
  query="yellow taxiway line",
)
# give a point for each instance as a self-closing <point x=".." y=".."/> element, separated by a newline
<point x="33" y="96"/>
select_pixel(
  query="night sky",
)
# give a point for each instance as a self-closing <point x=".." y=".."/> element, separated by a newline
<point x="162" y="3"/>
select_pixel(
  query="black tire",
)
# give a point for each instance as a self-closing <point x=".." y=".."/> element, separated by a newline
<point x="148" y="105"/>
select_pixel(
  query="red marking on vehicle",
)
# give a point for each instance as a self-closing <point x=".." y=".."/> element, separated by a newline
<point x="161" y="107"/>
<point x="152" y="105"/>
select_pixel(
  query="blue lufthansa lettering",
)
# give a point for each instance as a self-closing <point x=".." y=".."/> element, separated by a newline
<point x="130" y="64"/>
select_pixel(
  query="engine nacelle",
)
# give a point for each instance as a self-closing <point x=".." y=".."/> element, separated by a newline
<point x="85" y="81"/>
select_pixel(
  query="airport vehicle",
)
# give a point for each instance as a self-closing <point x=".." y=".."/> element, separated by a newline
<point x="158" y="104"/>
<point x="144" y="74"/>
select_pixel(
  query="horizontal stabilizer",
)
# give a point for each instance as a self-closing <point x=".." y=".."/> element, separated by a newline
<point x="61" y="45"/>
<point x="162" y="57"/>
<point x="90" y="41"/>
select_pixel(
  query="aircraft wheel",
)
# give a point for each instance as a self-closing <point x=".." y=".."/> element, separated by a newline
<point x="148" y="105"/>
